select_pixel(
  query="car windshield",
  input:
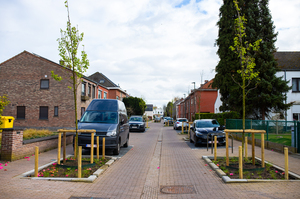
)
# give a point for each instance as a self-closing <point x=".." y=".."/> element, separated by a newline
<point x="182" y="120"/>
<point x="136" y="119"/>
<point x="100" y="117"/>
<point x="207" y="124"/>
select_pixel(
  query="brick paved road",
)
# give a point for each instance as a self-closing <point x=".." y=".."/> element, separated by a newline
<point x="158" y="158"/>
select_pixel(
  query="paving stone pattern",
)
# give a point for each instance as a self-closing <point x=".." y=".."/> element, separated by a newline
<point x="159" y="158"/>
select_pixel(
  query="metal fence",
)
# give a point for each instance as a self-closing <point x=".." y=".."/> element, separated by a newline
<point x="272" y="127"/>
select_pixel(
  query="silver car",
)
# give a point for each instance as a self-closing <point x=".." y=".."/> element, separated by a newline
<point x="178" y="123"/>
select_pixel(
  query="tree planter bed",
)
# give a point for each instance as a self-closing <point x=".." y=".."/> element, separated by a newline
<point x="91" y="178"/>
<point x="208" y="159"/>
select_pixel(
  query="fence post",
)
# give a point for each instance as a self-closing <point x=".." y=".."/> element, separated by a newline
<point x="215" y="144"/>
<point x="64" y="147"/>
<point x="267" y="131"/>
<point x="58" y="148"/>
<point x="227" y="153"/>
<point x="253" y="149"/>
<point x="246" y="148"/>
<point x="79" y="161"/>
<point x="240" y="162"/>
<point x="103" y="148"/>
<point x="262" y="146"/>
<point x="97" y="147"/>
<point x="92" y="148"/>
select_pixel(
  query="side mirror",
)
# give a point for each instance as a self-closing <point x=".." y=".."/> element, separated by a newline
<point x="122" y="122"/>
<point x="192" y="128"/>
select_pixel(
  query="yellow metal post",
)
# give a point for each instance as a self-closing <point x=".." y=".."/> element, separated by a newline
<point x="240" y="162"/>
<point x="36" y="162"/>
<point x="103" y="148"/>
<point x="262" y="150"/>
<point x="286" y="163"/>
<point x="79" y="161"/>
<point x="253" y="149"/>
<point x="98" y="147"/>
<point x="64" y="147"/>
<point x="182" y="127"/>
<point x="92" y="148"/>
<point x="58" y="148"/>
<point x="215" y="144"/>
<point x="75" y="147"/>
<point x="189" y="130"/>
<point x="227" y="153"/>
<point x="246" y="148"/>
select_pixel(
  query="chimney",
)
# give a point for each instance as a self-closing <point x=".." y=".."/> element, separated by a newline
<point x="205" y="81"/>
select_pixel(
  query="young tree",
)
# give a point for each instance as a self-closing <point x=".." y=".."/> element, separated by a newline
<point x="68" y="51"/>
<point x="247" y="62"/>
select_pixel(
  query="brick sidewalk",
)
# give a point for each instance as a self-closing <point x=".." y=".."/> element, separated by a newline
<point x="159" y="158"/>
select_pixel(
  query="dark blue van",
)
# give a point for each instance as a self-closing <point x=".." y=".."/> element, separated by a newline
<point x="109" y="118"/>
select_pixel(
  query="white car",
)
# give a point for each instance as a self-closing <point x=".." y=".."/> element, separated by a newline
<point x="178" y="123"/>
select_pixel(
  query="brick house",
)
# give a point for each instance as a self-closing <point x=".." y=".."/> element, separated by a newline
<point x="36" y="99"/>
<point x="202" y="98"/>
<point x="115" y="92"/>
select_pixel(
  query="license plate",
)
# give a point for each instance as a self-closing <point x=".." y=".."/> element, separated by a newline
<point x="88" y="145"/>
<point x="209" y="142"/>
<point x="134" y="127"/>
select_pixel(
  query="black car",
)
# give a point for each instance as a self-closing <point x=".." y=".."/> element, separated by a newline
<point x="136" y="123"/>
<point x="201" y="129"/>
<point x="109" y="118"/>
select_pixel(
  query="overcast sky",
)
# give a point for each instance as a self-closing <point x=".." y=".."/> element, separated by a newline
<point x="153" y="49"/>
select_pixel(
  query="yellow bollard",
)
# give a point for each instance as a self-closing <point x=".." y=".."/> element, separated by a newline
<point x="262" y="150"/>
<point x="58" y="148"/>
<point x="36" y="165"/>
<point x="227" y="153"/>
<point x="97" y="147"/>
<point x="64" y="147"/>
<point x="103" y="149"/>
<point x="189" y="130"/>
<point x="92" y="148"/>
<point x="182" y="127"/>
<point x="79" y="161"/>
<point x="286" y="163"/>
<point x="215" y="144"/>
<point x="246" y="148"/>
<point x="240" y="162"/>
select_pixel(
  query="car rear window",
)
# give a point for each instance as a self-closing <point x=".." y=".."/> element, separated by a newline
<point x="182" y="120"/>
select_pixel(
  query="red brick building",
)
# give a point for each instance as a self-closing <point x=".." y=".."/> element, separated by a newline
<point x="37" y="100"/>
<point x="202" y="98"/>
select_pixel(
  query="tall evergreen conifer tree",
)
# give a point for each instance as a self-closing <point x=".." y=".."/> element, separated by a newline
<point x="270" y="92"/>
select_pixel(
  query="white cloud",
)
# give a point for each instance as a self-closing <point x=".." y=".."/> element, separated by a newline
<point x="151" y="48"/>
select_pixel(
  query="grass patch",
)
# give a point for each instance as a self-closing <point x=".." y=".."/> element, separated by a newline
<point x="285" y="139"/>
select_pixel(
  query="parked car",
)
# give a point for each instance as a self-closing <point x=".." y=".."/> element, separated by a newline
<point x="178" y="123"/>
<point x="136" y="123"/>
<point x="157" y="119"/>
<point x="168" y="120"/>
<point x="201" y="129"/>
<point x="109" y="118"/>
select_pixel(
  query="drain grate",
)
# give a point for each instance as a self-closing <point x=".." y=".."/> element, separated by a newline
<point x="178" y="189"/>
<point x="73" y="197"/>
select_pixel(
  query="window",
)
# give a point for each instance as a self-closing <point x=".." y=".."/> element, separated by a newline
<point x="20" y="112"/>
<point x="117" y="97"/>
<point x="55" y="111"/>
<point x="105" y="95"/>
<point x="94" y="92"/>
<point x="99" y="94"/>
<point x="89" y="91"/>
<point x="82" y="111"/>
<point x="43" y="112"/>
<point x="295" y="84"/>
<point x="83" y="89"/>
<point x="44" y="83"/>
<point x="296" y="116"/>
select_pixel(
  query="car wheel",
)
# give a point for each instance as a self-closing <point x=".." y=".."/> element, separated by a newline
<point x="127" y="142"/>
<point x="117" y="150"/>
<point x="195" y="141"/>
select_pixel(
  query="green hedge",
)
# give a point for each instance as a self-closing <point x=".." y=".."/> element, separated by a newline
<point x="220" y="117"/>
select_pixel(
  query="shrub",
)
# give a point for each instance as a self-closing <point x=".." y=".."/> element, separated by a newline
<point x="34" y="133"/>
